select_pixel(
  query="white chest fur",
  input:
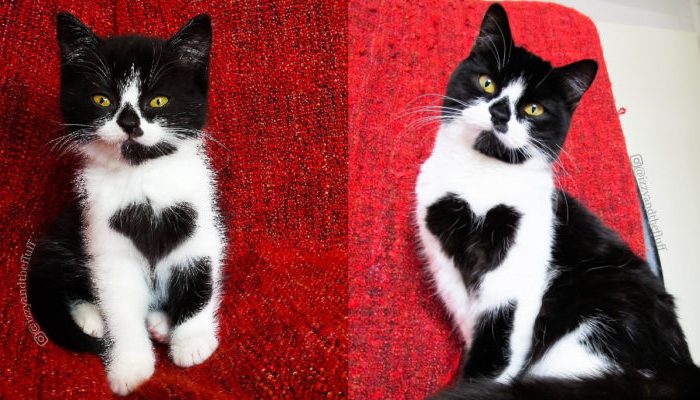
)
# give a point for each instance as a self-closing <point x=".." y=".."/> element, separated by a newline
<point x="483" y="182"/>
<point x="182" y="176"/>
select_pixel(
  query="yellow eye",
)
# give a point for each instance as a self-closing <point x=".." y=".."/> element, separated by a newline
<point x="101" y="100"/>
<point x="487" y="84"/>
<point x="158" y="101"/>
<point x="534" y="109"/>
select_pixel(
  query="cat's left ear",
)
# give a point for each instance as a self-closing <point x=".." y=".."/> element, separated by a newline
<point x="576" y="78"/>
<point x="193" y="41"/>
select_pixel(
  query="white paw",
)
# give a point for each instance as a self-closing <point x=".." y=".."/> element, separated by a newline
<point x="127" y="372"/>
<point x="193" y="348"/>
<point x="158" y="325"/>
<point x="88" y="318"/>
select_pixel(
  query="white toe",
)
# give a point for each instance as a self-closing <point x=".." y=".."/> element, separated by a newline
<point x="158" y="325"/>
<point x="127" y="372"/>
<point x="192" y="349"/>
<point x="87" y="316"/>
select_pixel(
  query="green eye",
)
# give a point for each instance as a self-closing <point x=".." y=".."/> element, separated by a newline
<point x="101" y="100"/>
<point x="158" y="101"/>
<point x="487" y="84"/>
<point x="534" y="109"/>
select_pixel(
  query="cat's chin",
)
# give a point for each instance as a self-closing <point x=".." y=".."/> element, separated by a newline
<point x="136" y="153"/>
<point x="489" y="144"/>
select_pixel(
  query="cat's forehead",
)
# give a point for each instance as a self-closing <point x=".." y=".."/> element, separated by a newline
<point x="132" y="57"/>
<point x="518" y="64"/>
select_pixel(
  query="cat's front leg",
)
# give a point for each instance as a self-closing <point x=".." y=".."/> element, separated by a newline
<point x="191" y="306"/>
<point x="124" y="296"/>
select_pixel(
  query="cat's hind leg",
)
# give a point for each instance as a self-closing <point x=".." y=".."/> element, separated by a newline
<point x="158" y="325"/>
<point x="87" y="316"/>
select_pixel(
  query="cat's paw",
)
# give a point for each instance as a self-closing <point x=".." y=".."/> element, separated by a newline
<point x="158" y="325"/>
<point x="127" y="372"/>
<point x="87" y="317"/>
<point x="192" y="348"/>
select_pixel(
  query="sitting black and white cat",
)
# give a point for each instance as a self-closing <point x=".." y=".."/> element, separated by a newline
<point x="141" y="250"/>
<point x="551" y="303"/>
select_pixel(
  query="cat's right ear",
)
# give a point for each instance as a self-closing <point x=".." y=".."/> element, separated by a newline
<point x="73" y="36"/>
<point x="494" y="33"/>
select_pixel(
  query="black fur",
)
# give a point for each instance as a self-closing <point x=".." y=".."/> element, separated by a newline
<point x="490" y="352"/>
<point x="597" y="278"/>
<point x="477" y="244"/>
<point x="155" y="235"/>
<point x="600" y="278"/>
<point x="177" y="68"/>
<point x="190" y="289"/>
<point x="558" y="90"/>
<point x="137" y="153"/>
<point x="58" y="275"/>
<point x="673" y="384"/>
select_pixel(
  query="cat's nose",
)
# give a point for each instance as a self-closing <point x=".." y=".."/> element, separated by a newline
<point x="129" y="121"/>
<point x="500" y="114"/>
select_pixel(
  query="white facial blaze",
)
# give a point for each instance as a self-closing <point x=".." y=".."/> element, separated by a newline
<point x="130" y="94"/>
<point x="518" y="132"/>
<point x="478" y="116"/>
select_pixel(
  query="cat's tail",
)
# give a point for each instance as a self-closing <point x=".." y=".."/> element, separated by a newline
<point x="680" y="384"/>
<point x="57" y="276"/>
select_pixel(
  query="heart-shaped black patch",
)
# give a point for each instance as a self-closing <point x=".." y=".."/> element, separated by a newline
<point x="155" y="234"/>
<point x="477" y="244"/>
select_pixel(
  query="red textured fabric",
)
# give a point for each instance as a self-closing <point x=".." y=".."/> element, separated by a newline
<point x="278" y="102"/>
<point x="401" y="341"/>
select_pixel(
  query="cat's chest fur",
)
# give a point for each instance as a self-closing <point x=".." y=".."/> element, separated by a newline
<point x="157" y="205"/>
<point x="183" y="176"/>
<point x="517" y="201"/>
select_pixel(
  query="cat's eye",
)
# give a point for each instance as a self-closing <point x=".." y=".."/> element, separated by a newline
<point x="158" y="101"/>
<point x="534" y="109"/>
<point x="101" y="100"/>
<point x="487" y="84"/>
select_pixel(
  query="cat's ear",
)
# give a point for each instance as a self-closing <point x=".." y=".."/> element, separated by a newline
<point x="576" y="78"/>
<point x="193" y="41"/>
<point x="73" y="36"/>
<point x="494" y="34"/>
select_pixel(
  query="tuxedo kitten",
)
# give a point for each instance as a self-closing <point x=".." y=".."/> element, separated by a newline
<point x="550" y="302"/>
<point x="140" y="252"/>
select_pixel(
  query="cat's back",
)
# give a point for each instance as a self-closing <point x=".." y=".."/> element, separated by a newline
<point x="601" y="280"/>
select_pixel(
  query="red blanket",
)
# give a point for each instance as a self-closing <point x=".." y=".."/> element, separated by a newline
<point x="279" y="109"/>
<point x="402" y="345"/>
